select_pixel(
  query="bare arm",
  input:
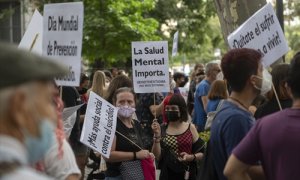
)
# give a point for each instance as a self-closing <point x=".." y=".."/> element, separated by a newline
<point x="195" y="134"/>
<point x="156" y="110"/>
<point x="204" y="102"/>
<point x="236" y="169"/>
<point x="119" y="156"/>
<point x="156" y="149"/>
<point x="73" y="177"/>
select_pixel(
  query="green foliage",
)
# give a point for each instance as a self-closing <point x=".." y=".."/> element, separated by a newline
<point x="197" y="39"/>
<point x="292" y="34"/>
<point x="110" y="26"/>
<point x="205" y="135"/>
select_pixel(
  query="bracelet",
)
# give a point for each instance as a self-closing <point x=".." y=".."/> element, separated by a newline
<point x="156" y="137"/>
<point x="157" y="140"/>
<point x="134" y="156"/>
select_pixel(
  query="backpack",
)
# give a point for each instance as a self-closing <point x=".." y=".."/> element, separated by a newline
<point x="211" y="116"/>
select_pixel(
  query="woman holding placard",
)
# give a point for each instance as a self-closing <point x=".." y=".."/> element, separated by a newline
<point x="127" y="153"/>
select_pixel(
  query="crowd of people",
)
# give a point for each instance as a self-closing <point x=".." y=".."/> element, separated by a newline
<point x="253" y="118"/>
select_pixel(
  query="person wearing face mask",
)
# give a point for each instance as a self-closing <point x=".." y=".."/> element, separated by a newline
<point x="212" y="69"/>
<point x="243" y="70"/>
<point x="177" y="146"/>
<point x="27" y="113"/>
<point x="274" y="139"/>
<point x="180" y="81"/>
<point x="279" y="75"/>
<point x="128" y="131"/>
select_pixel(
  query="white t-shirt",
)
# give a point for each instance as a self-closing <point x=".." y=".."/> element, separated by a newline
<point x="60" y="168"/>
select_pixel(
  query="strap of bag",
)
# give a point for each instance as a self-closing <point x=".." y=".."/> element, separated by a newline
<point x="219" y="105"/>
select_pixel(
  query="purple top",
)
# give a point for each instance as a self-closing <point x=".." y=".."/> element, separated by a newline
<point x="275" y="141"/>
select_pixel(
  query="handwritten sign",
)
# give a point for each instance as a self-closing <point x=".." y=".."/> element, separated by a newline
<point x="62" y="38"/>
<point x="150" y="66"/>
<point x="99" y="125"/>
<point x="261" y="31"/>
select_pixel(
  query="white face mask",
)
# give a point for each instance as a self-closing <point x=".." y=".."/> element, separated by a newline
<point x="126" y="111"/>
<point x="266" y="84"/>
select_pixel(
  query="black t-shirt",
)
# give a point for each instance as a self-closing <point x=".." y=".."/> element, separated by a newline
<point x="122" y="144"/>
<point x="271" y="106"/>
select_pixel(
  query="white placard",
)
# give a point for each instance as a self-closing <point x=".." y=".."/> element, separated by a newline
<point x="99" y="125"/>
<point x="175" y="44"/>
<point x="62" y="38"/>
<point x="184" y="92"/>
<point x="32" y="39"/>
<point x="150" y="66"/>
<point x="67" y="112"/>
<point x="261" y="31"/>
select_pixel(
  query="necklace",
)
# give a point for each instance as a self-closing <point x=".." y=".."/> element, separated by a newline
<point x="236" y="100"/>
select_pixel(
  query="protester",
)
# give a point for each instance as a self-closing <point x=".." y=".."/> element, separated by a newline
<point x="243" y="70"/>
<point x="116" y="83"/>
<point x="199" y="117"/>
<point x="98" y="85"/>
<point x="128" y="131"/>
<point x="83" y="87"/>
<point x="149" y="108"/>
<point x="27" y="114"/>
<point x="179" y="78"/>
<point x="59" y="161"/>
<point x="108" y="78"/>
<point x="71" y="98"/>
<point x="114" y="72"/>
<point x="93" y="162"/>
<point x="177" y="145"/>
<point x="279" y="75"/>
<point x="217" y="92"/>
<point x="278" y="155"/>
<point x="198" y="70"/>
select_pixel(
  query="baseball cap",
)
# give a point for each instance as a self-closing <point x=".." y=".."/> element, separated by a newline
<point x="20" y="66"/>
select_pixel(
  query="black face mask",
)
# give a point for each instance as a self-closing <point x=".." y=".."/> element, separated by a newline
<point x="172" y="115"/>
<point x="182" y="84"/>
<point x="83" y="91"/>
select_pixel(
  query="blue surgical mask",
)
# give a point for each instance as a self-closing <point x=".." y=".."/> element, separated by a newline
<point x="38" y="146"/>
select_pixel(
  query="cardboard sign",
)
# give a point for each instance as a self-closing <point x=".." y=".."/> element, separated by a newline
<point x="150" y="66"/>
<point x="261" y="31"/>
<point x="99" y="125"/>
<point x="32" y="39"/>
<point x="175" y="44"/>
<point x="62" y="38"/>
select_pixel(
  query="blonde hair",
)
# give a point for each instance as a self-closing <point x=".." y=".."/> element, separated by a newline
<point x="98" y="83"/>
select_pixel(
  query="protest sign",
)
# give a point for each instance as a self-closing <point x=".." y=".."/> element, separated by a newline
<point x="184" y="92"/>
<point x="69" y="117"/>
<point x="67" y="112"/>
<point x="150" y="66"/>
<point x="261" y="31"/>
<point x="62" y="38"/>
<point x="32" y="39"/>
<point x="99" y="125"/>
<point x="175" y="44"/>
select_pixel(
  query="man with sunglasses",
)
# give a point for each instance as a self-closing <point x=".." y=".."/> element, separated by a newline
<point x="212" y="69"/>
